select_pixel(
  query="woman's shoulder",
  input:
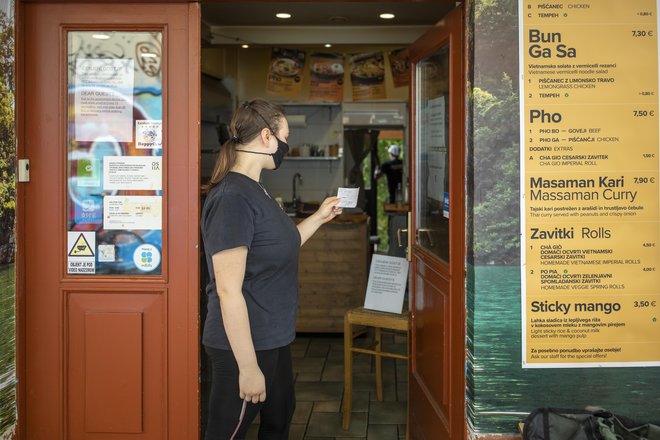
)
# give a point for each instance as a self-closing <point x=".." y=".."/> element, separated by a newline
<point x="229" y="188"/>
<point x="229" y="184"/>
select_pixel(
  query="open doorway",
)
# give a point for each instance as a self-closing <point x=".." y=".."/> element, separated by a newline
<point x="239" y="43"/>
<point x="386" y="183"/>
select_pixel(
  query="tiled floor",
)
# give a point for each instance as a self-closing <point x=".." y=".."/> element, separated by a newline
<point x="318" y="363"/>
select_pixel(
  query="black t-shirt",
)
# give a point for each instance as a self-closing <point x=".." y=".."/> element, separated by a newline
<point x="393" y="169"/>
<point x="238" y="212"/>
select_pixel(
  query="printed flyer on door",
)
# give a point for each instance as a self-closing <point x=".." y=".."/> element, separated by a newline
<point x="589" y="183"/>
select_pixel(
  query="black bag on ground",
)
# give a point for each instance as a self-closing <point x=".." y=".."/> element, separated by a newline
<point x="582" y="424"/>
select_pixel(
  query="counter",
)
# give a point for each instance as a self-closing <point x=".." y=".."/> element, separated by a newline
<point x="332" y="274"/>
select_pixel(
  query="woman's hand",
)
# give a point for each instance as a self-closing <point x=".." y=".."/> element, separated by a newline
<point x="252" y="384"/>
<point x="328" y="209"/>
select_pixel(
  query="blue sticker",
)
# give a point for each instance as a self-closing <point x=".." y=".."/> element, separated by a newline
<point x="88" y="210"/>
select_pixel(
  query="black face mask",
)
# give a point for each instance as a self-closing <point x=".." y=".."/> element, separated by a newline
<point x="282" y="149"/>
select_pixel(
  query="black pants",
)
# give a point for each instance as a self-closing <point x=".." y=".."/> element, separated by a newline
<point x="225" y="403"/>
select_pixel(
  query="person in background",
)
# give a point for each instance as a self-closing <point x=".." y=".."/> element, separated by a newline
<point x="393" y="169"/>
<point x="252" y="250"/>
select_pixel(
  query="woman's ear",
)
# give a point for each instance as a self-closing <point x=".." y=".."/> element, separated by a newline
<point x="265" y="135"/>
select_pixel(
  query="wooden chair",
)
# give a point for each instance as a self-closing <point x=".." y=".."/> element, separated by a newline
<point x="378" y="320"/>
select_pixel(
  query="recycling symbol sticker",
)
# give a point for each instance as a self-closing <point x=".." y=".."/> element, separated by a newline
<point x="146" y="257"/>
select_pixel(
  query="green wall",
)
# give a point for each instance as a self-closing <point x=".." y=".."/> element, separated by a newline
<point x="7" y="210"/>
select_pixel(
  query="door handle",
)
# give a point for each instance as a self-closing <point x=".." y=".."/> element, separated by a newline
<point x="429" y="236"/>
<point x="398" y="235"/>
<point x="408" y="235"/>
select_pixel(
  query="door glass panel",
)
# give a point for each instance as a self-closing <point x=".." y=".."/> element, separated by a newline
<point x="432" y="134"/>
<point x="114" y="153"/>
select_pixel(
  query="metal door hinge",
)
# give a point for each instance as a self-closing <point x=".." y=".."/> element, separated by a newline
<point x="23" y="170"/>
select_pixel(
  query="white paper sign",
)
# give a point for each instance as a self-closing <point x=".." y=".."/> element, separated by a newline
<point x="436" y="121"/>
<point x="81" y="257"/>
<point x="149" y="134"/>
<point x="133" y="172"/>
<point x="436" y="169"/>
<point x="132" y="212"/>
<point x="348" y="196"/>
<point x="104" y="99"/>
<point x="387" y="284"/>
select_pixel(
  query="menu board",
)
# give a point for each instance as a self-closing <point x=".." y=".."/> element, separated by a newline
<point x="589" y="183"/>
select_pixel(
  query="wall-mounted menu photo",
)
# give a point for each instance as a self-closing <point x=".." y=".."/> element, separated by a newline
<point x="368" y="76"/>
<point x="327" y="77"/>
<point x="285" y="73"/>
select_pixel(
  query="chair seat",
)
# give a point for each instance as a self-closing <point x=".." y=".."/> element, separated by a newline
<point x="374" y="318"/>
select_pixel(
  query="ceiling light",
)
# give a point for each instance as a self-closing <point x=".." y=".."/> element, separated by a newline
<point x="149" y="55"/>
<point x="386" y="16"/>
<point x="245" y="46"/>
<point x="283" y="15"/>
<point x="101" y="36"/>
<point x="328" y="45"/>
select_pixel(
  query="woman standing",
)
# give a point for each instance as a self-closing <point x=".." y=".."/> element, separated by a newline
<point x="252" y="250"/>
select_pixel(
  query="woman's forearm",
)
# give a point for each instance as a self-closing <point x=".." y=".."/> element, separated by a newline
<point x="326" y="212"/>
<point x="229" y="268"/>
<point x="237" y="326"/>
<point x="308" y="227"/>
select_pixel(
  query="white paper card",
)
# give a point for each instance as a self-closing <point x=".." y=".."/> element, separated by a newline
<point x="133" y="172"/>
<point x="348" y="196"/>
<point x="132" y="212"/>
<point x="387" y="284"/>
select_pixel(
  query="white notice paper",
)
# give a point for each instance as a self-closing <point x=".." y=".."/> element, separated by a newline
<point x="436" y="170"/>
<point x="133" y="172"/>
<point x="104" y="99"/>
<point x="348" y="196"/>
<point x="132" y="212"/>
<point x="436" y="121"/>
<point x="387" y="284"/>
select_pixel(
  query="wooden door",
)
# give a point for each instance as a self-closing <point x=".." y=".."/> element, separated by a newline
<point x="437" y="369"/>
<point x="108" y="223"/>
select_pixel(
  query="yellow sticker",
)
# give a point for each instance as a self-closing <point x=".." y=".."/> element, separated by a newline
<point x="81" y="248"/>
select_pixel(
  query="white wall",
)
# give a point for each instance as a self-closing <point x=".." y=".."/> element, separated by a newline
<point x="320" y="177"/>
<point x="216" y="106"/>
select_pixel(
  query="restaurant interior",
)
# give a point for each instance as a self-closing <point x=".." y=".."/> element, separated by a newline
<point x="341" y="72"/>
